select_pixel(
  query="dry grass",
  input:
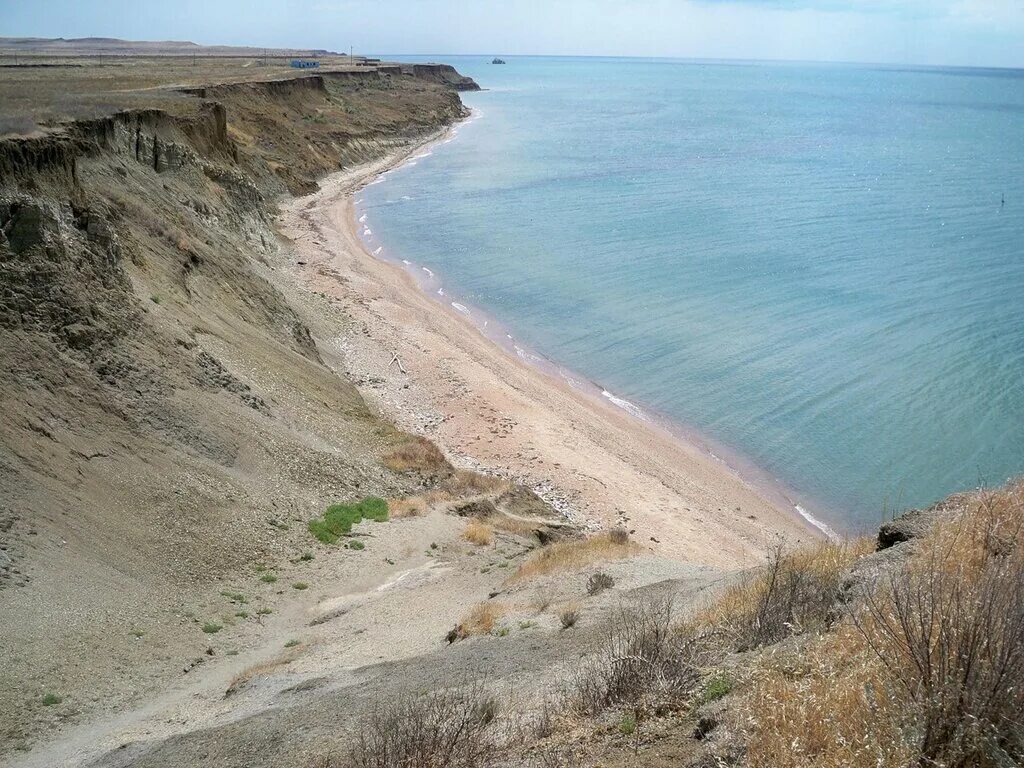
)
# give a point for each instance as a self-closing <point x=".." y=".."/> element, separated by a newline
<point x="246" y="676"/>
<point x="410" y="506"/>
<point x="416" y="454"/>
<point x="796" y="592"/>
<point x="929" y="671"/>
<point x="567" y="556"/>
<point x="465" y="482"/>
<point x="827" y="706"/>
<point x="480" y="620"/>
<point x="479" y="533"/>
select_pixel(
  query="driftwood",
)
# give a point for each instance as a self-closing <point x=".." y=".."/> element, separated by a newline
<point x="396" y="359"/>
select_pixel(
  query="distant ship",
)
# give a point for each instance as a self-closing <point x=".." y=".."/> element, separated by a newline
<point x="496" y="60"/>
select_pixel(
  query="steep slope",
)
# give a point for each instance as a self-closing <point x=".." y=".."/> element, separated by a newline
<point x="166" y="420"/>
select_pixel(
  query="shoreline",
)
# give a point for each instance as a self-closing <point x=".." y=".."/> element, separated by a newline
<point x="432" y="284"/>
<point x="583" y="448"/>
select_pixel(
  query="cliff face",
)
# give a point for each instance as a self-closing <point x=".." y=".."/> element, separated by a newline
<point x="444" y="74"/>
<point x="160" y="400"/>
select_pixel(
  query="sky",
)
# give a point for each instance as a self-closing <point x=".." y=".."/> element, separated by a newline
<point x="938" y="32"/>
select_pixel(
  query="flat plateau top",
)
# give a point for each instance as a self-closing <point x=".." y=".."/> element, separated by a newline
<point x="39" y="91"/>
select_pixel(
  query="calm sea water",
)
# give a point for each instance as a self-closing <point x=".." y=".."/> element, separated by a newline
<point x="809" y="264"/>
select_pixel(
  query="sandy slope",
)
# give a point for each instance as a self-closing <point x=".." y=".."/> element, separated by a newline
<point x="489" y="409"/>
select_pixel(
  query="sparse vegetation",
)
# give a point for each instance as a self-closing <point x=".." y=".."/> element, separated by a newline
<point x="355" y="544"/>
<point x="300" y="585"/>
<point x="267" y="577"/>
<point x="212" y="628"/>
<point x="291" y="643"/>
<point x="575" y="555"/>
<point x="51" y="699"/>
<point x="338" y="520"/>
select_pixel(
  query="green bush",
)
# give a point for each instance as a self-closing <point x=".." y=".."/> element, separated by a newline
<point x="338" y="520"/>
<point x="627" y="726"/>
<point x="211" y="629"/>
<point x="50" y="699"/>
<point x="717" y="687"/>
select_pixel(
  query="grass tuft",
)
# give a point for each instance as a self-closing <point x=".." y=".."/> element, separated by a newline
<point x="480" y="620"/>
<point x="478" y="533"/>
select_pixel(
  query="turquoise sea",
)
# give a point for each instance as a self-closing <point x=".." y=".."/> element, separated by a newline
<point x="818" y="268"/>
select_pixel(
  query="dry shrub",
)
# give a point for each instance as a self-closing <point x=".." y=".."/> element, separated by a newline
<point x="929" y="671"/>
<point x="950" y="633"/>
<point x="415" y="454"/>
<point x="441" y="729"/>
<point x="479" y="533"/>
<point x="479" y="621"/>
<point x="795" y="592"/>
<point x="644" y="662"/>
<point x="599" y="582"/>
<point x="619" y="536"/>
<point x="574" y="555"/>
<point x="569" y="615"/>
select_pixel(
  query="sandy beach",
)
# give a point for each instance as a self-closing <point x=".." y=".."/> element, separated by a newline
<point x="423" y="364"/>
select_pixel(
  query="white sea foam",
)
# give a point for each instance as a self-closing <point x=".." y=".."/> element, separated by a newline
<point x="816" y="522"/>
<point x="406" y="262"/>
<point x="461" y="307"/>
<point x="379" y="249"/>
<point x="440" y="291"/>
<point x="625" y="405"/>
<point x="359" y="201"/>
<point x="431" y="274"/>
<point x="362" y="218"/>
<point x="406" y="197"/>
<point x="367" y="231"/>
